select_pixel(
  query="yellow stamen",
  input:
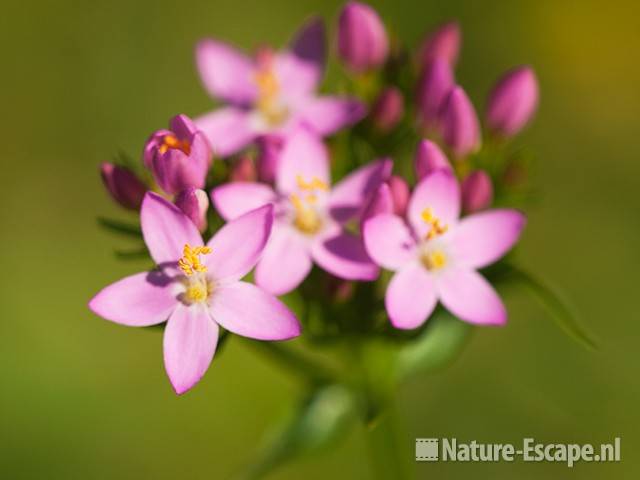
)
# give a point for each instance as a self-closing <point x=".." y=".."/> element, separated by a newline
<point x="434" y="260"/>
<point x="437" y="228"/>
<point x="268" y="96"/>
<point x="306" y="219"/>
<point x="314" y="184"/>
<point x="171" y="141"/>
<point x="196" y="293"/>
<point x="190" y="261"/>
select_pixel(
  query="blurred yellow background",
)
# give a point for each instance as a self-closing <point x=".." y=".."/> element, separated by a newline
<point x="84" y="398"/>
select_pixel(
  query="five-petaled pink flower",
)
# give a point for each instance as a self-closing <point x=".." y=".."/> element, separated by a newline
<point x="311" y="223"/>
<point x="271" y="94"/>
<point x="436" y="256"/>
<point x="197" y="288"/>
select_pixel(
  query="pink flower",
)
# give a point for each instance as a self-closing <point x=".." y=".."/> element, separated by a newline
<point x="477" y="191"/>
<point x="123" y="185"/>
<point x="436" y="255"/>
<point x="197" y="288"/>
<point x="310" y="215"/>
<point x="444" y="42"/>
<point x="460" y="126"/>
<point x="179" y="158"/>
<point x="362" y="39"/>
<point x="271" y="94"/>
<point x="194" y="203"/>
<point x="435" y="82"/>
<point x="429" y="158"/>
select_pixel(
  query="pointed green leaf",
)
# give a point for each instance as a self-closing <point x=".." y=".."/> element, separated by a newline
<point x="122" y="228"/>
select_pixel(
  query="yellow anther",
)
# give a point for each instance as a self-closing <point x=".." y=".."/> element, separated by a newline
<point x="314" y="184"/>
<point x="434" y="260"/>
<point x="190" y="261"/>
<point x="171" y="141"/>
<point x="306" y="218"/>
<point x="437" y="228"/>
<point x="268" y="102"/>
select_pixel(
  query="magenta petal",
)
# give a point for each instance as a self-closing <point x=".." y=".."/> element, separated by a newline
<point x="441" y="193"/>
<point x="303" y="156"/>
<point x="237" y="246"/>
<point x="237" y="198"/>
<point x="429" y="158"/>
<point x="190" y="340"/>
<point x="285" y="263"/>
<point x="381" y="202"/>
<point x="227" y="129"/>
<point x="344" y="256"/>
<point x="470" y="297"/>
<point x="246" y="310"/>
<point x="388" y="241"/>
<point x="350" y="195"/>
<point x="483" y="238"/>
<point x="327" y="115"/>
<point x="411" y="297"/>
<point x="226" y="72"/>
<point x="166" y="229"/>
<point x="137" y="301"/>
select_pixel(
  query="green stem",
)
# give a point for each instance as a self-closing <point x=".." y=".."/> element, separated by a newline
<point x="389" y="457"/>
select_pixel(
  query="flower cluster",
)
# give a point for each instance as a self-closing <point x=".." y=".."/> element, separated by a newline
<point x="323" y="195"/>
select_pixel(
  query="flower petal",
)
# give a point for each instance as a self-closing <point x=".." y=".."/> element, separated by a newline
<point x="344" y="256"/>
<point x="440" y="192"/>
<point x="483" y="238"/>
<point x="285" y="263"/>
<point x="246" y="310"/>
<point x="411" y="297"/>
<point x="226" y="72"/>
<point x="388" y="241"/>
<point x="166" y="229"/>
<point x="327" y="115"/>
<point x="139" y="300"/>
<point x="227" y="129"/>
<point x="470" y="297"/>
<point x="350" y="195"/>
<point x="236" y="198"/>
<point x="190" y="340"/>
<point x="303" y="155"/>
<point x="237" y="246"/>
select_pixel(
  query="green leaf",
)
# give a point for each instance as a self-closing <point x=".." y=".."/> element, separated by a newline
<point x="560" y="312"/>
<point x="436" y="347"/>
<point x="135" y="254"/>
<point x="122" y="228"/>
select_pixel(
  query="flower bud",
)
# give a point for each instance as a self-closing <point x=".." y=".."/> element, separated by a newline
<point x="269" y="147"/>
<point x="243" y="170"/>
<point x="362" y="39"/>
<point x="512" y="102"/>
<point x="388" y="109"/>
<point x="429" y="158"/>
<point x="477" y="191"/>
<point x="194" y="203"/>
<point x="435" y="82"/>
<point x="123" y="185"/>
<point x="178" y="158"/>
<point x="443" y="42"/>
<point x="381" y="202"/>
<point x="460" y="128"/>
<point x="399" y="193"/>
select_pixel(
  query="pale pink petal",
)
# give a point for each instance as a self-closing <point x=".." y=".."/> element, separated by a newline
<point x="344" y="256"/>
<point x="388" y="241"/>
<point x="327" y="115"/>
<point x="237" y="246"/>
<point x="482" y="238"/>
<point x="137" y="301"/>
<point x="226" y="72"/>
<point x="234" y="199"/>
<point x="303" y="156"/>
<point x="440" y="192"/>
<point x="411" y="297"/>
<point x="470" y="297"/>
<point x="285" y="263"/>
<point x="228" y="130"/>
<point x="246" y="310"/>
<point x="190" y="340"/>
<point x="166" y="229"/>
<point x="349" y="197"/>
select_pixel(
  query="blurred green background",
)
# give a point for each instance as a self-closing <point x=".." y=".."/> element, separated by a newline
<point x="84" y="398"/>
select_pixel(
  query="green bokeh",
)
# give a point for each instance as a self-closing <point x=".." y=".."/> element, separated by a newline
<point x="84" y="398"/>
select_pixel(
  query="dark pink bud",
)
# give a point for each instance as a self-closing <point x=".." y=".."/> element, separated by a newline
<point x="443" y="42"/>
<point x="362" y="39"/>
<point x="460" y="127"/>
<point x="243" y="170"/>
<point x="194" y="203"/>
<point x="400" y="194"/>
<point x="388" y="109"/>
<point x="381" y="202"/>
<point x="429" y="158"/>
<point x="434" y="85"/>
<point x="269" y="147"/>
<point x="123" y="185"/>
<point x="512" y="102"/>
<point x="477" y="191"/>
